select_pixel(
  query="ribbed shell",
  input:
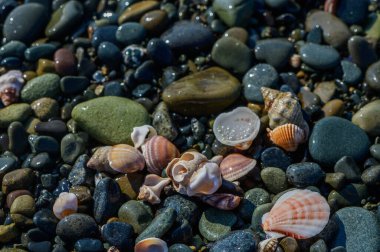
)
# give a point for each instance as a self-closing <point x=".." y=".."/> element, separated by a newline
<point x="158" y="152"/>
<point x="151" y="245"/>
<point x="224" y="201"/>
<point x="125" y="159"/>
<point x="235" y="166"/>
<point x="300" y="214"/>
<point x="287" y="136"/>
<point x="268" y="245"/>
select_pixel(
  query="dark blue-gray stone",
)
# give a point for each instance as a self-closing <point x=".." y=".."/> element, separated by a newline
<point x="80" y="174"/>
<point x="6" y="6"/>
<point x="362" y="52"/>
<point x="130" y="33"/>
<point x="241" y="240"/>
<point x="25" y="23"/>
<point x="11" y="63"/>
<point x="252" y="199"/>
<point x="103" y="34"/>
<point x="179" y="247"/>
<point x="77" y="226"/>
<point x="261" y="75"/>
<point x="234" y="12"/>
<point x="372" y="76"/>
<point x="320" y="57"/>
<point x="349" y="168"/>
<point x="12" y="49"/>
<point x="181" y="232"/>
<point x="41" y="161"/>
<point x="187" y="37"/>
<point x="74" y="84"/>
<point x="107" y="197"/>
<point x="275" y="52"/>
<point x="358" y="230"/>
<point x="34" y="53"/>
<point x="109" y="54"/>
<point x="159" y="52"/>
<point x="275" y="157"/>
<point x="145" y="72"/>
<point x="40" y="144"/>
<point x="43" y="246"/>
<point x="184" y="207"/>
<point x="54" y="128"/>
<point x="315" y="35"/>
<point x="352" y="74"/>
<point x="119" y="234"/>
<point x="45" y="220"/>
<point x="371" y="176"/>
<point x="305" y="174"/>
<point x="89" y="245"/>
<point x="114" y="88"/>
<point x="276" y="3"/>
<point x="334" y="137"/>
<point x="18" y="138"/>
<point x="72" y="145"/>
<point x="352" y="11"/>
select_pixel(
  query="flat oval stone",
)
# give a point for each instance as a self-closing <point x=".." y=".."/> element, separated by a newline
<point x="46" y="85"/>
<point x="335" y="32"/>
<point x="130" y="33"/>
<point x="235" y="12"/>
<point x="216" y="223"/>
<point x="77" y="226"/>
<point x="368" y="118"/>
<point x="26" y="22"/>
<point x="334" y="137"/>
<point x="261" y="75"/>
<point x="274" y="179"/>
<point x="88" y="244"/>
<point x="371" y="176"/>
<point x="74" y="84"/>
<point x="275" y="52"/>
<point x="372" y="76"/>
<point x="12" y="49"/>
<point x="202" y="93"/>
<point x="109" y="54"/>
<point x="65" y="62"/>
<point x="334" y="107"/>
<point x="34" y="53"/>
<point x="116" y="118"/>
<point x="137" y="10"/>
<point x="104" y="33"/>
<point x="45" y="220"/>
<point x="232" y="54"/>
<point x="305" y="174"/>
<point x="155" y="21"/>
<point x="64" y="20"/>
<point x="240" y="240"/>
<point x="188" y="37"/>
<point x="14" y="112"/>
<point x="319" y="56"/>
<point x="17" y="179"/>
<point x="159" y="52"/>
<point x="362" y="52"/>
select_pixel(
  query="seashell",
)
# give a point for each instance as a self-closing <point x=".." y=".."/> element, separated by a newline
<point x="158" y="152"/>
<point x="283" y="108"/>
<point x="10" y="86"/>
<point x="268" y="245"/>
<point x="330" y="6"/>
<point x="99" y="160"/>
<point x="151" y="245"/>
<point x="152" y="187"/>
<point x="300" y="214"/>
<point x="205" y="180"/>
<point x="125" y="159"/>
<point x="113" y="249"/>
<point x="287" y="136"/>
<point x="237" y="128"/>
<point x="142" y="134"/>
<point x="223" y="201"/>
<point x="235" y="166"/>
<point x="65" y="204"/>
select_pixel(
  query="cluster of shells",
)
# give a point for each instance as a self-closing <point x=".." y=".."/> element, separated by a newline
<point x="298" y="213"/>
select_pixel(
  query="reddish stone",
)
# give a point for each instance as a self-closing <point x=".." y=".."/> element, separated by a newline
<point x="65" y="62"/>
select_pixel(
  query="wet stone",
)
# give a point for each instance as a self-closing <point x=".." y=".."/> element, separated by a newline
<point x="184" y="207"/>
<point x="130" y="33"/>
<point x="349" y="195"/>
<point x="334" y="107"/>
<point x="304" y="174"/>
<point x="159" y="52"/>
<point x="72" y="145"/>
<point x="18" y="138"/>
<point x="315" y="35"/>
<point x="275" y="157"/>
<point x="137" y="214"/>
<point x="34" y="53"/>
<point x="13" y="48"/>
<point x="349" y="168"/>
<point x="106" y="199"/>
<point x="46" y="85"/>
<point x="77" y="226"/>
<point x="14" y="112"/>
<point x="104" y="34"/>
<point x="257" y="216"/>
<point x="336" y="180"/>
<point x="135" y="11"/>
<point x="88" y="244"/>
<point x="23" y="205"/>
<point x="17" y="179"/>
<point x="325" y="90"/>
<point x="362" y="52"/>
<point x="275" y="52"/>
<point x="352" y="12"/>
<point x="54" y="128"/>
<point x="119" y="234"/>
<point x="109" y="54"/>
<point x="367" y="118"/>
<point x="45" y="220"/>
<point x="215" y="223"/>
<point x="45" y="108"/>
<point x="241" y="240"/>
<point x="40" y="144"/>
<point x="234" y="13"/>
<point x="80" y="174"/>
<point x="155" y="21"/>
<point x="252" y="198"/>
<point x="352" y="74"/>
<point x="238" y="33"/>
<point x="319" y="56"/>
<point x="163" y="123"/>
<point x="371" y="176"/>
<point x="274" y="179"/>
<point x="65" y="62"/>
<point x="178" y="247"/>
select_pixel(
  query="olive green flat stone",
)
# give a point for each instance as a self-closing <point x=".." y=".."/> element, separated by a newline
<point x="203" y="93"/>
<point x="15" y="112"/>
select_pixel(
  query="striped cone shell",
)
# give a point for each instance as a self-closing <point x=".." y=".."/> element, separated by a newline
<point x="125" y="159"/>
<point x="287" y="136"/>
<point x="300" y="214"/>
<point x="158" y="152"/>
<point x="235" y="166"/>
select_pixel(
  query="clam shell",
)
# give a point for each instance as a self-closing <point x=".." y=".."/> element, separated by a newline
<point x="235" y="166"/>
<point x="237" y="128"/>
<point x="65" y="204"/>
<point x="158" y="152"/>
<point x="151" y="245"/>
<point x="142" y="134"/>
<point x="300" y="214"/>
<point x="10" y="86"/>
<point x="268" y="245"/>
<point x="287" y="136"/>
<point x="224" y="201"/>
<point x="125" y="158"/>
<point x="152" y="187"/>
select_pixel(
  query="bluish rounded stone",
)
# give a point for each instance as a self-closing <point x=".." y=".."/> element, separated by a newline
<point x="40" y="144"/>
<point x="34" y="53"/>
<point x="130" y="33"/>
<point x="275" y="52"/>
<point x="352" y="74"/>
<point x="6" y="6"/>
<point x="114" y="89"/>
<point x="74" y="84"/>
<point x="11" y="62"/>
<point x="315" y="35"/>
<point x="362" y="52"/>
<point x="261" y="75"/>
<point x="305" y="174"/>
<point x="184" y="207"/>
<point x="107" y="197"/>
<point x="241" y="240"/>
<point x="45" y="220"/>
<point x="104" y="34"/>
<point x="352" y="11"/>
<point x="275" y="157"/>
<point x="109" y="54"/>
<point x="159" y="52"/>
<point x="276" y="3"/>
<point x="334" y="137"/>
<point x="145" y="72"/>
<point x="12" y="49"/>
<point x="320" y="57"/>
<point x="119" y="234"/>
<point x="88" y="245"/>
<point x="43" y="246"/>
<point x="77" y="226"/>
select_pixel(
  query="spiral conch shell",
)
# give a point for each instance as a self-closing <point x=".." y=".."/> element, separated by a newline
<point x="151" y="245"/>
<point x="300" y="214"/>
<point x="283" y="108"/>
<point x="223" y="201"/>
<point x="287" y="136"/>
<point x="10" y="86"/>
<point x="152" y="187"/>
<point x="193" y="174"/>
<point x="125" y="159"/>
<point x="235" y="166"/>
<point x="237" y="128"/>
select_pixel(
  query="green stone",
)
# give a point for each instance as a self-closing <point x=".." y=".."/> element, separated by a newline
<point x="136" y="214"/>
<point x="202" y="93"/>
<point x="350" y="195"/>
<point x="45" y="108"/>
<point x="336" y="180"/>
<point x="234" y="12"/>
<point x="8" y="232"/>
<point x="258" y="214"/>
<point x="110" y="119"/>
<point x="24" y="205"/>
<point x="252" y="199"/>
<point x="216" y="223"/>
<point x="373" y="28"/>
<point x="274" y="179"/>
<point x="46" y="85"/>
<point x="15" y="112"/>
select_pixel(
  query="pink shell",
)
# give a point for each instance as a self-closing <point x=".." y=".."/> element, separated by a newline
<point x="125" y="159"/>
<point x="235" y="166"/>
<point x="300" y="214"/>
<point x="10" y="86"/>
<point x="65" y="204"/>
<point x="158" y="152"/>
<point x="330" y="6"/>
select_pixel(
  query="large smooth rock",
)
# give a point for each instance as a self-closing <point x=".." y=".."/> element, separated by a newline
<point x="203" y="93"/>
<point x="46" y="85"/>
<point x="319" y="56"/>
<point x="110" y="120"/>
<point x="368" y="118"/>
<point x="275" y="52"/>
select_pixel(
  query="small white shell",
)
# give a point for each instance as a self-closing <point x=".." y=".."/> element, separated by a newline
<point x="65" y="204"/>
<point x="142" y="134"/>
<point x="237" y="128"/>
<point x="10" y="86"/>
<point x="152" y="187"/>
<point x="206" y="180"/>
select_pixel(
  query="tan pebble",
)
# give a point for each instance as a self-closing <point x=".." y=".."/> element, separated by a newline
<point x="334" y="107"/>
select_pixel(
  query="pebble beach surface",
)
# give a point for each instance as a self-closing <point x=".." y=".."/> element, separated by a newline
<point x="116" y="130"/>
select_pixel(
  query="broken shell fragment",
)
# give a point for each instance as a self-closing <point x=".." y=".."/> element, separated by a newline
<point x="151" y="245"/>
<point x="65" y="204"/>
<point x="237" y="128"/>
<point x="268" y="245"/>
<point x="10" y="86"/>
<point x="287" y="136"/>
<point x="142" y="134"/>
<point x="235" y="166"/>
<point x="125" y="159"/>
<point x="223" y="201"/>
<point x="152" y="188"/>
<point x="205" y="180"/>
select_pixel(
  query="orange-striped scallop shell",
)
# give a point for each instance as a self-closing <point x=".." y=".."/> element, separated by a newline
<point x="235" y="166"/>
<point x="300" y="214"/>
<point x="287" y="136"/>
<point x="158" y="152"/>
<point x="125" y="159"/>
<point x="151" y="245"/>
